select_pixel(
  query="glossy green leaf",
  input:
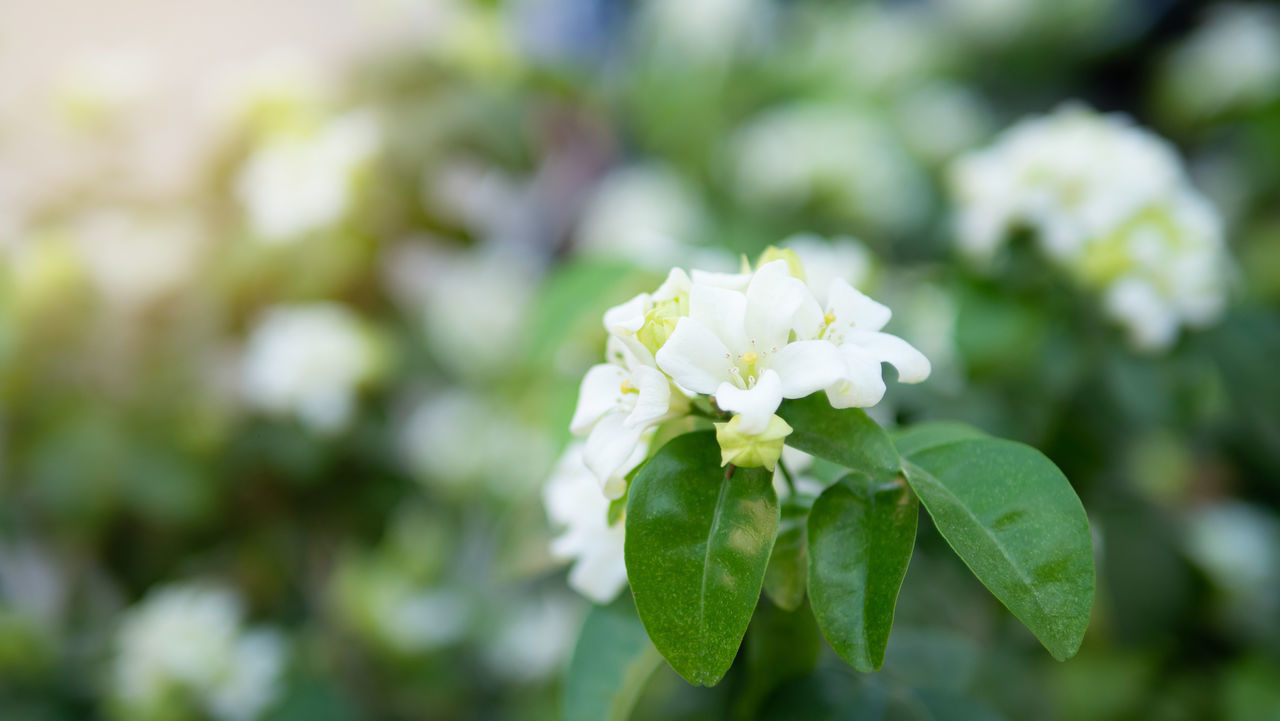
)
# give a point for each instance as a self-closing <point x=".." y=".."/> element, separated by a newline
<point x="611" y="663"/>
<point x="861" y="534"/>
<point x="1015" y="520"/>
<point x="845" y="436"/>
<point x="787" y="576"/>
<point x="923" y="436"/>
<point x="698" y="542"/>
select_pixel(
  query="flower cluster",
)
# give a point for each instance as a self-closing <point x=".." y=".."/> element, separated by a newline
<point x="745" y="341"/>
<point x="187" y="645"/>
<point x="724" y="347"/>
<point x="1109" y="202"/>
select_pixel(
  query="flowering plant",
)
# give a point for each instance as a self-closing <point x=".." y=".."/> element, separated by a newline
<point x="708" y="379"/>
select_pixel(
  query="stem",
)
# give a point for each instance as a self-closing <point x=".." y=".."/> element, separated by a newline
<point x="786" y="475"/>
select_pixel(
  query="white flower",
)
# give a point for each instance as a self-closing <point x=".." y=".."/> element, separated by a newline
<point x="461" y="441"/>
<point x="134" y="259"/>
<point x="617" y="403"/>
<point x="299" y="183"/>
<point x="735" y="345"/>
<point x="853" y="322"/>
<point x="191" y="639"/>
<point x="1238" y="545"/>
<point x="644" y="213"/>
<point x="308" y="360"/>
<point x="846" y="160"/>
<point x="573" y="501"/>
<point x="1232" y="60"/>
<point x="707" y="30"/>
<point x="1112" y="205"/>
<point x="474" y="305"/>
<point x="1073" y="175"/>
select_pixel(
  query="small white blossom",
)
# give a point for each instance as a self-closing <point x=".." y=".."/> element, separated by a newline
<point x="735" y="345"/>
<point x="308" y="360"/>
<point x="574" y="502"/>
<point x="302" y="182"/>
<point x="191" y="641"/>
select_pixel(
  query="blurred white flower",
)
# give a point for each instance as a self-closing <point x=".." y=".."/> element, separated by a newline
<point x="308" y="361"/>
<point x="824" y="261"/>
<point x="533" y="639"/>
<point x="134" y="259"/>
<point x="705" y="30"/>
<point x="303" y="181"/>
<point x="940" y="120"/>
<point x="574" y="502"/>
<point x="105" y="89"/>
<point x="459" y="439"/>
<point x="1109" y="202"/>
<point x="1238" y="545"/>
<point x="1231" y="61"/>
<point x="190" y="642"/>
<point x="645" y="214"/>
<point x="836" y="157"/>
<point x="473" y="303"/>
<point x="274" y="91"/>
<point x="879" y="47"/>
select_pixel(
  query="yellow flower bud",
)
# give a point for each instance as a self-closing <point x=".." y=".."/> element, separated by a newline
<point x="771" y="254"/>
<point x="751" y="450"/>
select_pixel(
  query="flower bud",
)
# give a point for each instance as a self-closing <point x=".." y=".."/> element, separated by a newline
<point x="772" y="253"/>
<point x="751" y="450"/>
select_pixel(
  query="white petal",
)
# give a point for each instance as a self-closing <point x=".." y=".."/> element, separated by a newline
<point x="731" y="281"/>
<point x="694" y="357"/>
<point x="774" y="299"/>
<point x="627" y="317"/>
<point x="600" y="392"/>
<point x="756" y="405"/>
<point x="654" y="399"/>
<point x="676" y="284"/>
<point x="851" y="307"/>
<point x="723" y="312"/>
<point x="807" y="366"/>
<point x="912" y="366"/>
<point x="628" y="352"/>
<point x="601" y="572"/>
<point x="862" y="385"/>
<point x="609" y="446"/>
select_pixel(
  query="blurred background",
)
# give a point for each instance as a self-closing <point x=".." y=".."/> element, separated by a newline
<point x="295" y="298"/>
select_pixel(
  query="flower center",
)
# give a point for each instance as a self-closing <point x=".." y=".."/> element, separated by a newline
<point x="745" y="370"/>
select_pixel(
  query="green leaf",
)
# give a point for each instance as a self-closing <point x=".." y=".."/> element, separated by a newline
<point x="1015" y="520"/>
<point x="861" y="534"/>
<point x="923" y="436"/>
<point x="611" y="663"/>
<point x="698" y="541"/>
<point x="846" y="436"/>
<point x="787" y="575"/>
